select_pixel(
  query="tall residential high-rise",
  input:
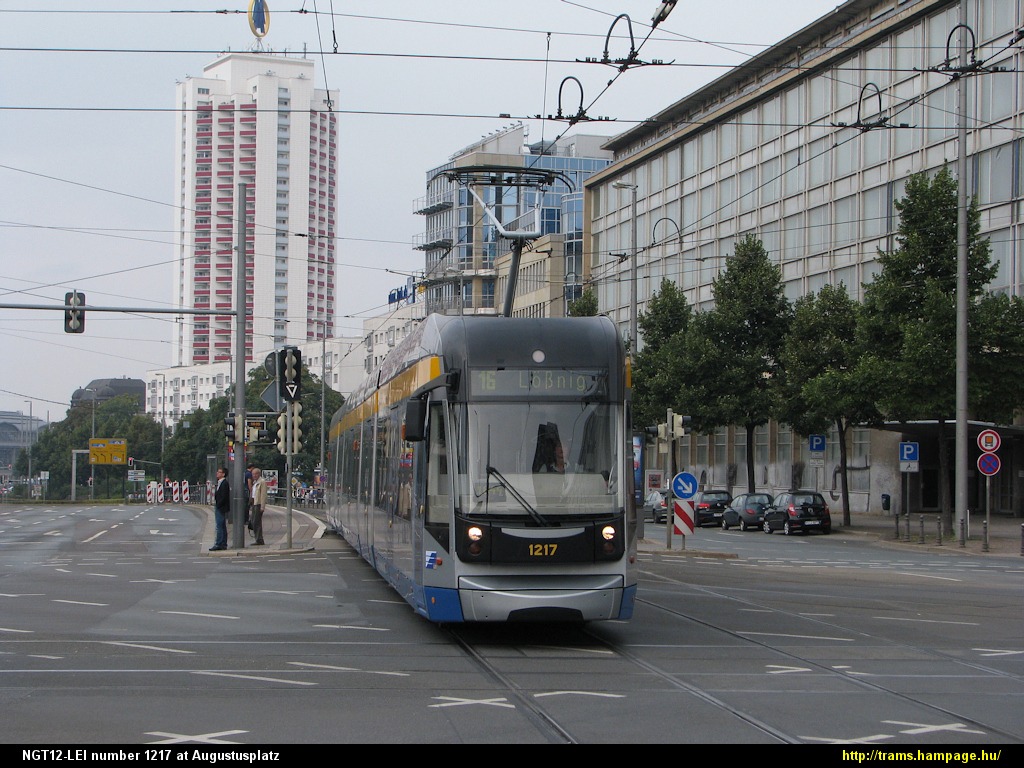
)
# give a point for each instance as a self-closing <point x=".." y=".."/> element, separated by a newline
<point x="255" y="119"/>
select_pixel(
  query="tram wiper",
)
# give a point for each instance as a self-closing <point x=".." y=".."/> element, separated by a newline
<point x="537" y="516"/>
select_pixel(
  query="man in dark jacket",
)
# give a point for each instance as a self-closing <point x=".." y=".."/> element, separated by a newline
<point x="221" y="509"/>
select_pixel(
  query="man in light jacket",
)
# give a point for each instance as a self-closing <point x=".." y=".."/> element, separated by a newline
<point x="259" y="503"/>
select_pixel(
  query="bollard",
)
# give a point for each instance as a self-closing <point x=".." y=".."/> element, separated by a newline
<point x="906" y="536"/>
<point x="896" y="517"/>
<point x="1022" y="539"/>
<point x="963" y="541"/>
<point x="984" y="530"/>
<point x="921" y="540"/>
<point x="938" y="520"/>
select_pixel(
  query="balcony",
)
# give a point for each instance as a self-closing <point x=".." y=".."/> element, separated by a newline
<point x="434" y="203"/>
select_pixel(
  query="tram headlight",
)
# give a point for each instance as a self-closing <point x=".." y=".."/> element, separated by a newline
<point x="475" y="536"/>
<point x="608" y="542"/>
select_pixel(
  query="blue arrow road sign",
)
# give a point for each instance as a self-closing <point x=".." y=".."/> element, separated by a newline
<point x="816" y="443"/>
<point x="909" y="452"/>
<point x="684" y="485"/>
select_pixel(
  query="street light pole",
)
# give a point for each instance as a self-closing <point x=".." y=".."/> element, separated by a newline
<point x="31" y="429"/>
<point x="163" y="396"/>
<point x="92" y="467"/>
<point x="632" y="269"/>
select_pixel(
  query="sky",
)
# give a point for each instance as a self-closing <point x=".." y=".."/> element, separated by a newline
<point x="88" y="148"/>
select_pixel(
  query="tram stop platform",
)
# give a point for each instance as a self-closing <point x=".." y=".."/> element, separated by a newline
<point x="282" y="533"/>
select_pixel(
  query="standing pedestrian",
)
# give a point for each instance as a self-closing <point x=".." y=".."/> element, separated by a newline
<point x="248" y="496"/>
<point x="221" y="509"/>
<point x="259" y="503"/>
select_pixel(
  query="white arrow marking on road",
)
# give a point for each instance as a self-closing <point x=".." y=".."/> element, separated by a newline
<point x="778" y="669"/>
<point x="996" y="652"/>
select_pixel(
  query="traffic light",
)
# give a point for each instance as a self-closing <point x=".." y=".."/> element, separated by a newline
<point x="131" y="462"/>
<point x="296" y="432"/>
<point x="289" y="373"/>
<point x="282" y="432"/>
<point x="74" y="318"/>
<point x="229" y="428"/>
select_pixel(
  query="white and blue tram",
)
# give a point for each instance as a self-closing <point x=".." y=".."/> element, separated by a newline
<point x="485" y="470"/>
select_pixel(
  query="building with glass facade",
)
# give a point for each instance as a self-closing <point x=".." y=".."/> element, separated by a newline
<point x="463" y="245"/>
<point x="807" y="146"/>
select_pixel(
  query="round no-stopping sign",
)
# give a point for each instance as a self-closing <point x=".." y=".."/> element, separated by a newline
<point x="988" y="464"/>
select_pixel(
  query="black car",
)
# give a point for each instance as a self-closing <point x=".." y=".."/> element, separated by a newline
<point x="708" y="507"/>
<point x="746" y="511"/>
<point x="798" y="512"/>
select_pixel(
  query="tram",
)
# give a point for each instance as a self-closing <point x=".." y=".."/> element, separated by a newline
<point x="485" y="470"/>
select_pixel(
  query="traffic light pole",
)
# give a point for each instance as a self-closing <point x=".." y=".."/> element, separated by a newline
<point x="240" y="497"/>
<point x="289" y="437"/>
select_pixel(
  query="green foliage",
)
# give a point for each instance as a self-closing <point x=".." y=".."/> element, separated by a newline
<point x="585" y="305"/>
<point x="731" y="355"/>
<point x="201" y="434"/>
<point x="656" y="367"/>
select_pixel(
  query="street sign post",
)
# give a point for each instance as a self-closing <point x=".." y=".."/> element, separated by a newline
<point x="910" y="457"/>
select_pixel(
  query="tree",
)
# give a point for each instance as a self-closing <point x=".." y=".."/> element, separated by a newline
<point x="730" y="367"/>
<point x="909" y="321"/>
<point x="820" y="387"/>
<point x="201" y="433"/>
<point x="585" y="305"/>
<point x="117" y="418"/>
<point x="656" y="374"/>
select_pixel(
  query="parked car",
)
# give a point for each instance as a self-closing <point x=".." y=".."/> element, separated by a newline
<point x="798" y="512"/>
<point x="708" y="507"/>
<point x="656" y="505"/>
<point x="746" y="511"/>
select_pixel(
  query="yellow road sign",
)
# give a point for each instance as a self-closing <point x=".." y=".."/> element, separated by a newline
<point x="108" y="451"/>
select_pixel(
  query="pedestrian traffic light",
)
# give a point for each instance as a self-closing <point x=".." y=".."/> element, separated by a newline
<point x="289" y="373"/>
<point x="229" y="428"/>
<point x="74" y="318"/>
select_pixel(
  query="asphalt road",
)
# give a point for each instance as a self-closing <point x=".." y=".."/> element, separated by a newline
<point x="118" y="627"/>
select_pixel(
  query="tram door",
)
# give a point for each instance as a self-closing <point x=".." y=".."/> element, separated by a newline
<point x="437" y="506"/>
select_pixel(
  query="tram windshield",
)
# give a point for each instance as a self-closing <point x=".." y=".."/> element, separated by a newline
<point x="543" y="460"/>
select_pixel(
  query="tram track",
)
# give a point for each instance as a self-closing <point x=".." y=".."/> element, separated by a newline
<point x="858" y="680"/>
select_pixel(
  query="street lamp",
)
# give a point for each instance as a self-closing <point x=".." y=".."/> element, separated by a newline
<point x="632" y="268"/>
<point x="163" y="394"/>
<point x="92" y="467"/>
<point x="31" y="434"/>
<point x="452" y="272"/>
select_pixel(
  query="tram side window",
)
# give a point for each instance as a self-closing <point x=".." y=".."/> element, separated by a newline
<point x="439" y="484"/>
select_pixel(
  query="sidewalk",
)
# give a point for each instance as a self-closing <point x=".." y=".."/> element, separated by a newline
<point x="305" y="530"/>
<point x="1005" y="535"/>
